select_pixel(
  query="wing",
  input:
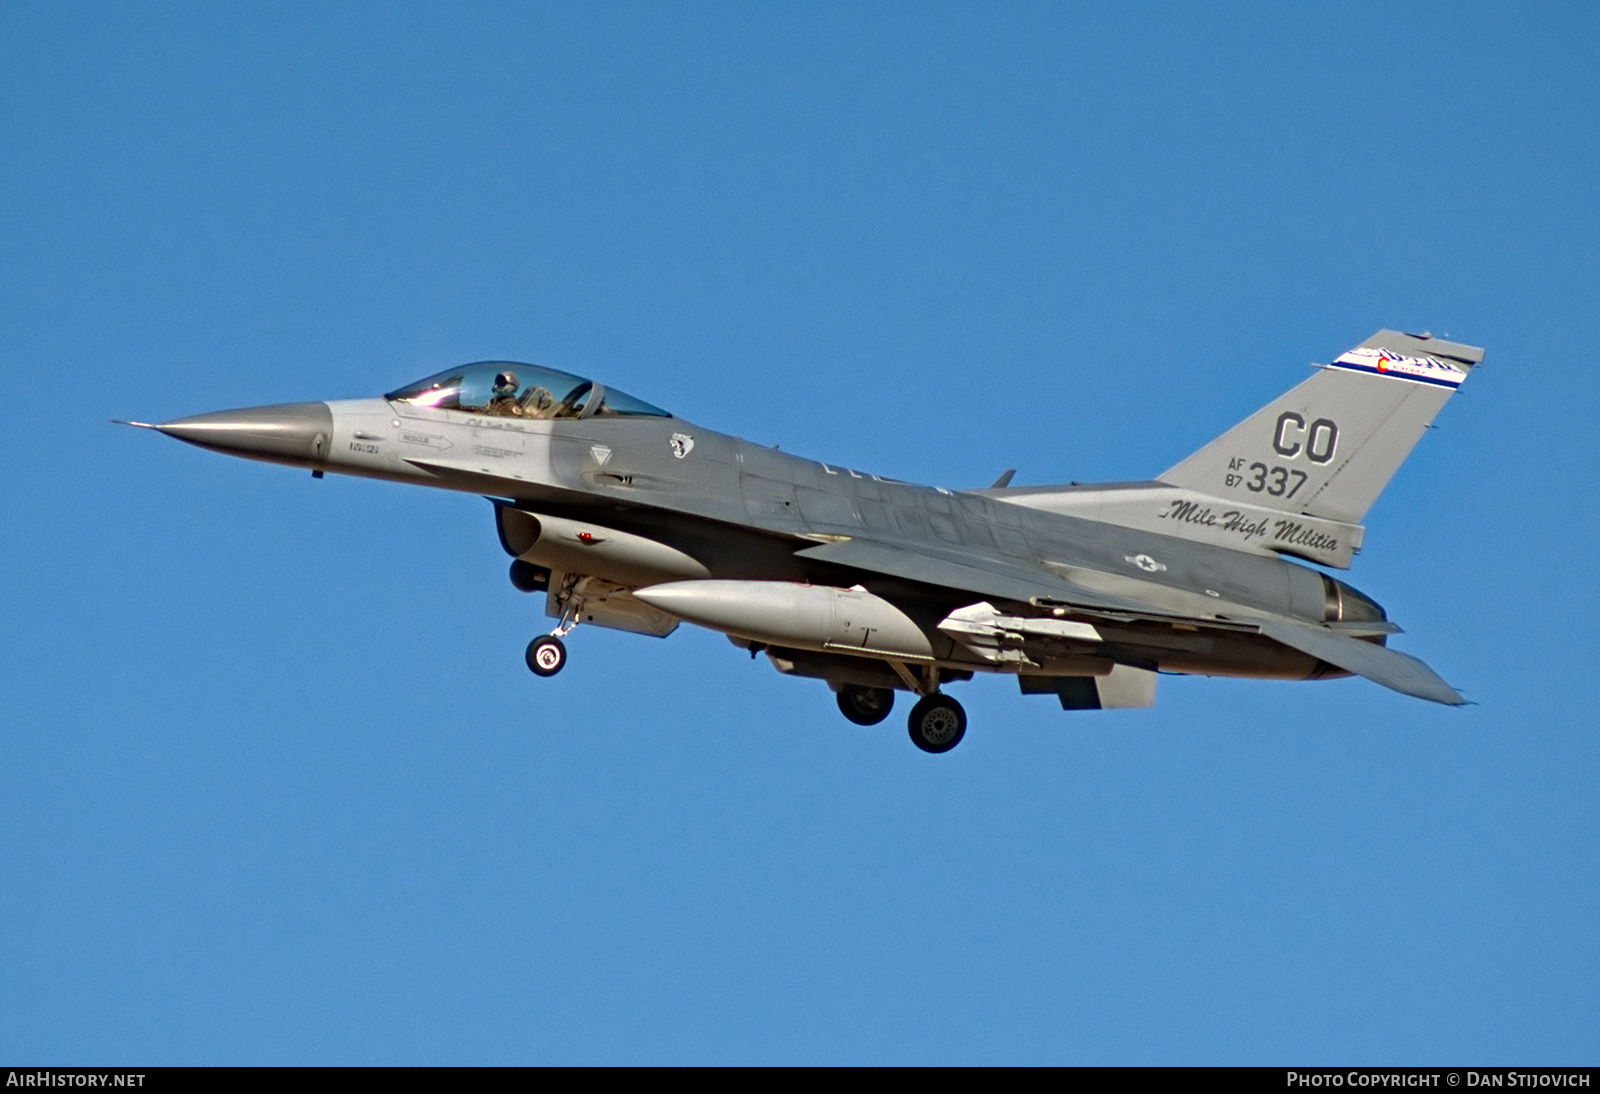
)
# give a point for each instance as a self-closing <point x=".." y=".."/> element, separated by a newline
<point x="972" y="572"/>
<point x="989" y="576"/>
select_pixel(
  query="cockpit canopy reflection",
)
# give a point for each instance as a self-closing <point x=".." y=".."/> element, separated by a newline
<point x="508" y="389"/>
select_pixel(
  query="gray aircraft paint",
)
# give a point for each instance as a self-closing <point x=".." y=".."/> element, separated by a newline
<point x="1186" y="573"/>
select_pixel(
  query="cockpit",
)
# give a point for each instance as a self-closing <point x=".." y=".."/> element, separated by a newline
<point x="507" y="389"/>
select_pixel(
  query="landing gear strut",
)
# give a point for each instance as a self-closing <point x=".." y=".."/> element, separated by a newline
<point x="937" y="723"/>
<point x="547" y="654"/>
<point x="865" y="706"/>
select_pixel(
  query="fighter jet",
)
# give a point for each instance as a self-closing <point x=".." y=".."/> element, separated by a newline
<point x="623" y="515"/>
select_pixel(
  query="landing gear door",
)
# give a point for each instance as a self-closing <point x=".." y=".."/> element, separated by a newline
<point x="605" y="605"/>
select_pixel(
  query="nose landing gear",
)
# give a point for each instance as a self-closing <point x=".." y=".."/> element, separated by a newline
<point x="547" y="655"/>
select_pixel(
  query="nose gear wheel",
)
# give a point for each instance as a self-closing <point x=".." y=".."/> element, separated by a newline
<point x="547" y="655"/>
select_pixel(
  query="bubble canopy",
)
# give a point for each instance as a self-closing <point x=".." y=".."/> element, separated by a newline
<point x="509" y="389"/>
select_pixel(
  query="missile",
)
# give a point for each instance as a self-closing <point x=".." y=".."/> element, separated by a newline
<point x="783" y="613"/>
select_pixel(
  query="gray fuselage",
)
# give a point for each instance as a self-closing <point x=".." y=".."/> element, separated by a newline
<point x="744" y="510"/>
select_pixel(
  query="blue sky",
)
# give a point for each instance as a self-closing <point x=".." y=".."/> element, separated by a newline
<point x="278" y="788"/>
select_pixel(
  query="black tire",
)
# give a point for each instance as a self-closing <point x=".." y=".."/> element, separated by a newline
<point x="547" y="655"/>
<point x="937" y="723"/>
<point x="528" y="578"/>
<point x="865" y="706"/>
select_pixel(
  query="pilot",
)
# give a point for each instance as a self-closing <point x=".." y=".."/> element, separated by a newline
<point x="503" y="399"/>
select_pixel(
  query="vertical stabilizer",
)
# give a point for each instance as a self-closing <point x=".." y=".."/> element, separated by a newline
<point x="1329" y="446"/>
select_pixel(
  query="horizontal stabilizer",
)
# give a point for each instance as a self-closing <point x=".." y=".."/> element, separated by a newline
<point x="1381" y="665"/>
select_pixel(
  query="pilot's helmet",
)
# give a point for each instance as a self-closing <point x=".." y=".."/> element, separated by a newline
<point x="505" y="385"/>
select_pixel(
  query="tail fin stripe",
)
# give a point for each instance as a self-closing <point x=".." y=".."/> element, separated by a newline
<point x="1421" y="370"/>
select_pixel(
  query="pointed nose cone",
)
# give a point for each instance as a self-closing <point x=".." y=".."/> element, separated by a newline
<point x="292" y="433"/>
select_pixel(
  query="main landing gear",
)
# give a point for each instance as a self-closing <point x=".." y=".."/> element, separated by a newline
<point x="865" y="706"/>
<point x="937" y="723"/>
